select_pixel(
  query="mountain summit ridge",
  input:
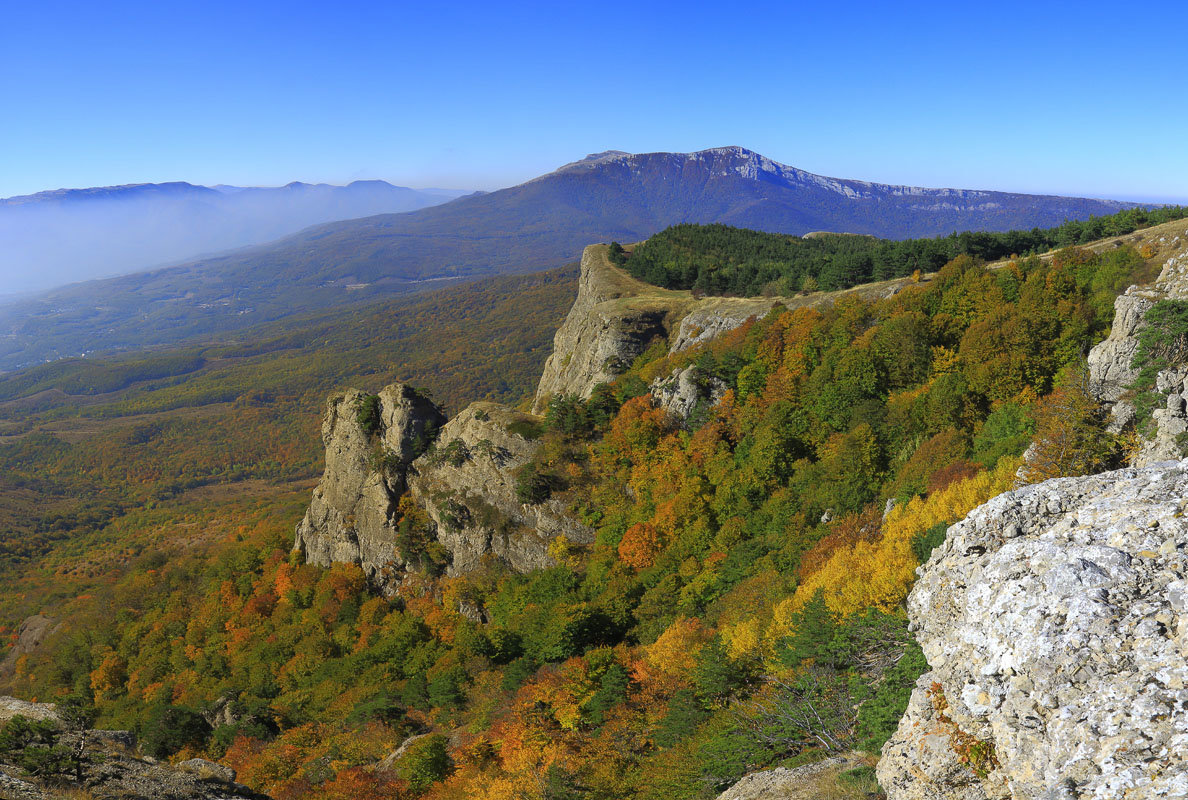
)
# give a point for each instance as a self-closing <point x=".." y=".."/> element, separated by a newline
<point x="539" y="224"/>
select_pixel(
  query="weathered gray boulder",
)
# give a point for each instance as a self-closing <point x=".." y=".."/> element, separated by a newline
<point x="467" y="486"/>
<point x="1055" y="622"/>
<point x="351" y="517"/>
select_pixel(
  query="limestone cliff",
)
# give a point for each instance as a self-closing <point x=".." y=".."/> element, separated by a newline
<point x="351" y="517"/>
<point x="615" y="317"/>
<point x="467" y="485"/>
<point x="1055" y="623"/>
<point x="613" y="320"/>
<point x="1111" y="370"/>
<point x="465" y="481"/>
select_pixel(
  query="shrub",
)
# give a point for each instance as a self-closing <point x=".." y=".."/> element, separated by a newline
<point x="925" y="542"/>
<point x="425" y="763"/>
<point x="367" y="414"/>
<point x="532" y="486"/>
<point x="526" y="429"/>
<point x="168" y="729"/>
<point x="33" y="746"/>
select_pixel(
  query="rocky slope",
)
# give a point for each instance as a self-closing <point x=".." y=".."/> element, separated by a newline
<point x="115" y="770"/>
<point x="1055" y="623"/>
<point x="815" y="781"/>
<point x="1111" y="368"/>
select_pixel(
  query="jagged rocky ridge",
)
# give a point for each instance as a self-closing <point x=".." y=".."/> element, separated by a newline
<point x="1055" y="622"/>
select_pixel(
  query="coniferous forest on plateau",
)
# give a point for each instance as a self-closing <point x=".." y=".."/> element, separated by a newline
<point x="741" y="606"/>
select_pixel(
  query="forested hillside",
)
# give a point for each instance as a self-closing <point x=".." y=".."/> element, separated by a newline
<point x="107" y="460"/>
<point x="721" y="260"/>
<point x="740" y="607"/>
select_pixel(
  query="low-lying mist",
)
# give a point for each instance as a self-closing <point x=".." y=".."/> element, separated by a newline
<point x="54" y="238"/>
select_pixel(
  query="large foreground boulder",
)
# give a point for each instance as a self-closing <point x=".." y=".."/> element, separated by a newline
<point x="1055" y="622"/>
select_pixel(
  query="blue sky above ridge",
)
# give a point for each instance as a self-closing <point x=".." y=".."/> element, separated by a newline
<point x="1032" y="97"/>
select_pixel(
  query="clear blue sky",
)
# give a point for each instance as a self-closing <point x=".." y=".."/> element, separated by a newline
<point x="1077" y="98"/>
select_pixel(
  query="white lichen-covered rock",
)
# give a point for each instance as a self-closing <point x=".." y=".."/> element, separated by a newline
<point x="467" y="486"/>
<point x="351" y="517"/>
<point x="681" y="392"/>
<point x="1055" y="622"/>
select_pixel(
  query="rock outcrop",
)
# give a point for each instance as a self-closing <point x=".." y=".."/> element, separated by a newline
<point x="30" y="636"/>
<point x="615" y="317"/>
<point x="114" y="770"/>
<point x="810" y="782"/>
<point x="685" y="390"/>
<point x="351" y="517"/>
<point x="467" y="485"/>
<point x="466" y="482"/>
<point x="1055" y="623"/>
<point x="613" y="320"/>
<point x="1111" y="363"/>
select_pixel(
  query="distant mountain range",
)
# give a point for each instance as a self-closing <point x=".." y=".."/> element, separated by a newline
<point x="538" y="224"/>
<point x="52" y="238"/>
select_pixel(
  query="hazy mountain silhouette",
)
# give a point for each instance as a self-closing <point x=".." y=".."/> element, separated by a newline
<point x="52" y="238"/>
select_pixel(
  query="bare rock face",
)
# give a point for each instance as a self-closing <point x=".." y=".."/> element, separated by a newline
<point x="613" y="320"/>
<point x="1055" y="622"/>
<point x="684" y="390"/>
<point x="30" y="636"/>
<point x="115" y="770"/>
<point x="1111" y="370"/>
<point x="467" y="485"/>
<point x="12" y="707"/>
<point x="810" y="782"/>
<point x="351" y="517"/>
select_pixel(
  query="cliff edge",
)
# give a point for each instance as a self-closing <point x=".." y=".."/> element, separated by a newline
<point x="1112" y="369"/>
<point x="616" y="317"/>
